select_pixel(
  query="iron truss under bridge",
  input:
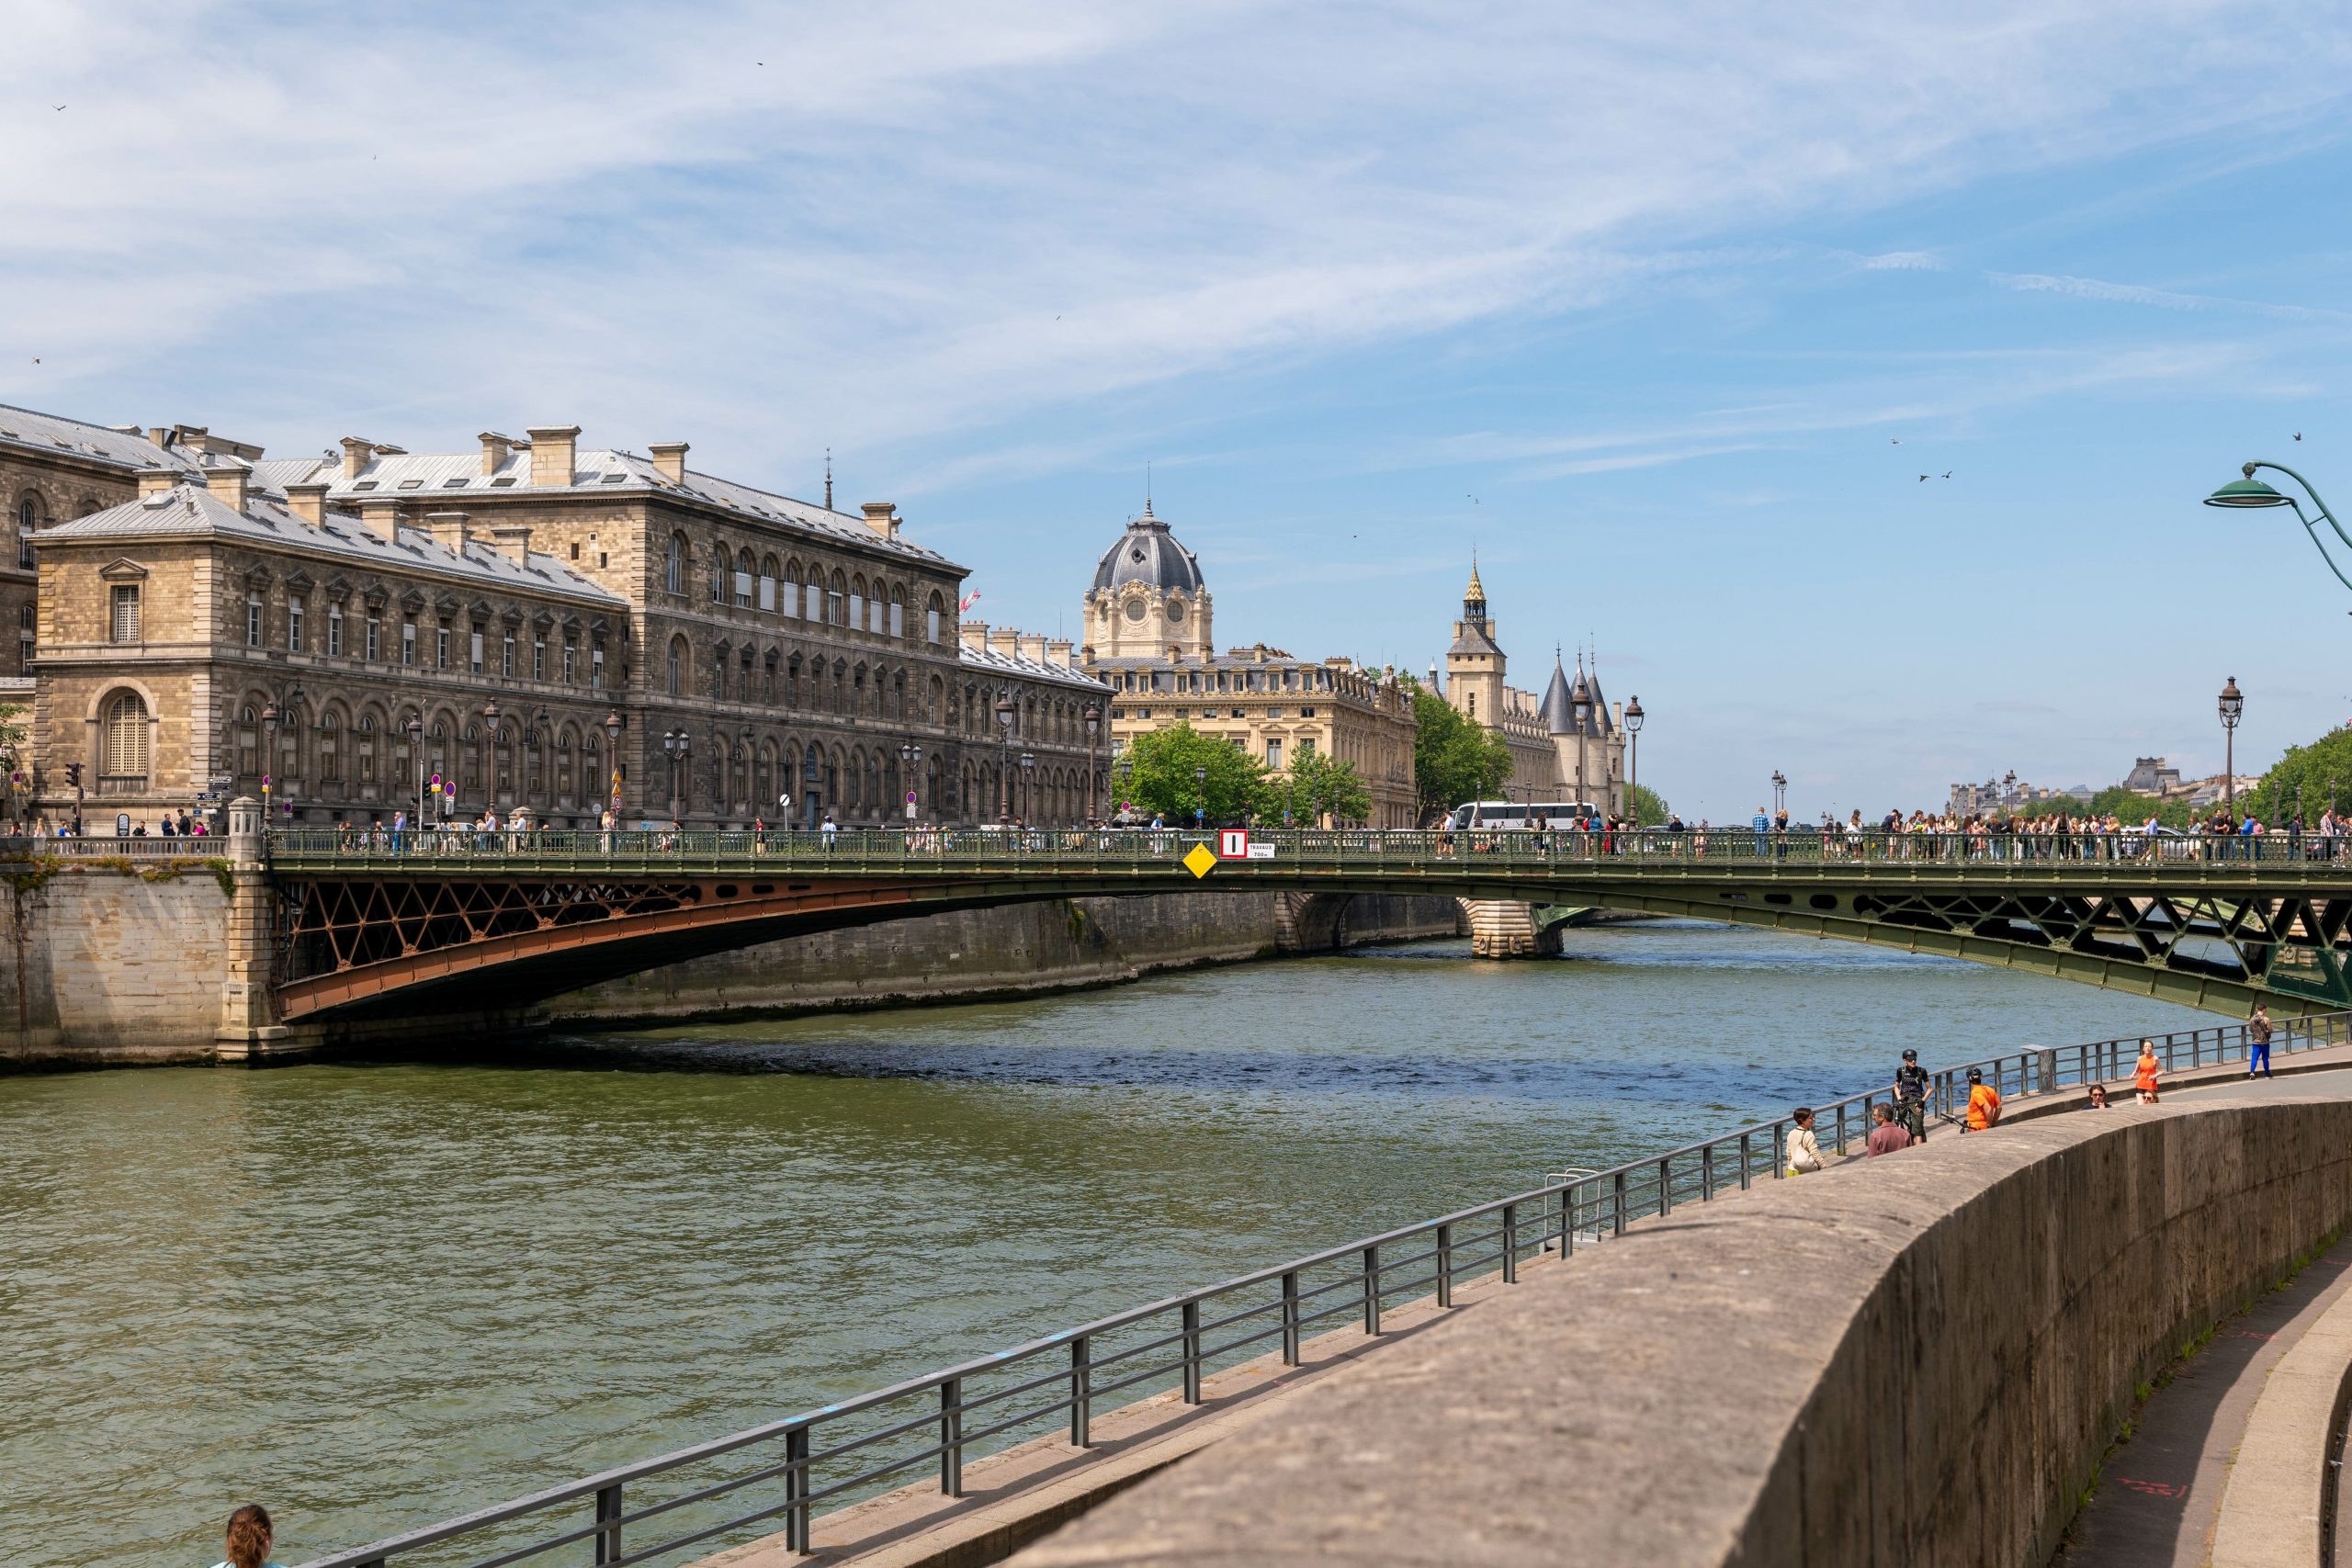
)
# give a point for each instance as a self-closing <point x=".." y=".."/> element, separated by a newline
<point x="371" y="924"/>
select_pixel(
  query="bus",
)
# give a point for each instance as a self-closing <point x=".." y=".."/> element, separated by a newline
<point x="1532" y="814"/>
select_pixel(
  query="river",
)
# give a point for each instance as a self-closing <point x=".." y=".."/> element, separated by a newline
<point x="371" y="1295"/>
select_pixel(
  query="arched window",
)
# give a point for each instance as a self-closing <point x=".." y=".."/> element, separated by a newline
<point x="28" y="524"/>
<point x="746" y="570"/>
<point x="787" y="593"/>
<point x="673" y="572"/>
<point x="898" y="611"/>
<point x="330" y="749"/>
<point x="932" y="615"/>
<point x="677" y="683"/>
<point x="858" y="602"/>
<point x="767" y="583"/>
<point x="123" y="740"/>
<point x="836" y="595"/>
<point x="719" y="568"/>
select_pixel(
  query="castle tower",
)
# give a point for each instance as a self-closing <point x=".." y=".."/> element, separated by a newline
<point x="1475" y="665"/>
<point x="1147" y="596"/>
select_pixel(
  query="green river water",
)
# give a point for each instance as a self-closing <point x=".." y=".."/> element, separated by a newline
<point x="372" y="1295"/>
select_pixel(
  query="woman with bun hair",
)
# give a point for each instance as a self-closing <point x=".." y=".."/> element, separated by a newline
<point x="249" y="1539"/>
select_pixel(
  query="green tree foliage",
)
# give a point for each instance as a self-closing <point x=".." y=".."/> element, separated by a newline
<point x="2322" y="770"/>
<point x="1650" y="810"/>
<point x="1156" y="774"/>
<point x="12" y="736"/>
<point x="1314" y="786"/>
<point x="1454" y="760"/>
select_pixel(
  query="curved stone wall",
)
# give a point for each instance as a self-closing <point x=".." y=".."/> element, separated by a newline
<point x="1916" y="1359"/>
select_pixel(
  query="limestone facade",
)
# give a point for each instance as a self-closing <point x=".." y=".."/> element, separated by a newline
<point x="1148" y="619"/>
<point x="562" y="622"/>
<point x="1554" y="754"/>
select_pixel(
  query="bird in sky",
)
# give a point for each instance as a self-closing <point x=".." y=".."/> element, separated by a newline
<point x="2299" y="436"/>
<point x="59" y="107"/>
<point x="36" y="359"/>
<point x="1894" y="441"/>
<point x="1947" y="473"/>
<point x="1923" y="478"/>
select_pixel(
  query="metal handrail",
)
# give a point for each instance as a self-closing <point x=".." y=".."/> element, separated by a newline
<point x="954" y="849"/>
<point x="932" y="1406"/>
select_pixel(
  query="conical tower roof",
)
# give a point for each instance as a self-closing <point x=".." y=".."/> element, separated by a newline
<point x="1558" y="711"/>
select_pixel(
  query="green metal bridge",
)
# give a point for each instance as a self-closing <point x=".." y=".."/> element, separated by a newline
<point x="455" y="921"/>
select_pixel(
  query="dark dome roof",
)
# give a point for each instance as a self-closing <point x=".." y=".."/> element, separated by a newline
<point x="1148" y="553"/>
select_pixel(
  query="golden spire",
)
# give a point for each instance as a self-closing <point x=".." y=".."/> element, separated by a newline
<point x="1476" y="590"/>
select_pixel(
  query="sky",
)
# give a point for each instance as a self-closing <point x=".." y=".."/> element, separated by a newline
<point x="1664" y="309"/>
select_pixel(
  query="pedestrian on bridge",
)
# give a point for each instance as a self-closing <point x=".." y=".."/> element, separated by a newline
<point x="250" y="1538"/>
<point x="1762" y="824"/>
<point x="2257" y="1039"/>
<point x="2146" y="1073"/>
<point x="1803" y="1148"/>
<point x="1887" y="1136"/>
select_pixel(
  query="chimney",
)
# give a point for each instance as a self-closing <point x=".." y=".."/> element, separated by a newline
<point x="553" y="449"/>
<point x="448" y="529"/>
<point x="355" y="453"/>
<point x="495" y="450"/>
<point x="1005" y="640"/>
<point x="159" y="435"/>
<point x="1175" y="653"/>
<point x="669" y="460"/>
<point x="1033" y="648"/>
<point x="514" y="542"/>
<point x="307" y="502"/>
<point x="975" y="635"/>
<point x="156" y="481"/>
<point x="227" y="485"/>
<point x="1058" y="651"/>
<point x="882" y="516"/>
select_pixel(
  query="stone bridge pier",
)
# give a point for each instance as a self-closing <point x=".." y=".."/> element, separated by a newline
<point x="1500" y="928"/>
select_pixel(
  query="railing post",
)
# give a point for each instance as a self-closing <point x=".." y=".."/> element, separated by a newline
<point x="1445" y="1266"/>
<point x="1510" y="1244"/>
<point x="1841" y="1127"/>
<point x="1081" y="1392"/>
<point x="1191" y="1353"/>
<point x="1372" y="1290"/>
<point x="1618" y="1192"/>
<point x="1746" y="1160"/>
<point x="608" y="1523"/>
<point x="1707" y="1172"/>
<point x="1290" y="1318"/>
<point x="1665" y="1186"/>
<point x="950" y="1437"/>
<point x="796" y="1490"/>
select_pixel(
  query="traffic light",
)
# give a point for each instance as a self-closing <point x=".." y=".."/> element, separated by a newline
<point x="73" y="774"/>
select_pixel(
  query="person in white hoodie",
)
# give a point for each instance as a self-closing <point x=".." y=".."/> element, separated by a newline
<point x="1804" y="1148"/>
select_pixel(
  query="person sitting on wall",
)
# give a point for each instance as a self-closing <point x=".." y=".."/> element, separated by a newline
<point x="1984" y="1102"/>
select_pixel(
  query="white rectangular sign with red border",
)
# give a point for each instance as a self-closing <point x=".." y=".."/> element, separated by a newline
<point x="1233" y="843"/>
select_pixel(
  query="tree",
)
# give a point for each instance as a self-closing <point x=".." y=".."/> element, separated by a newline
<point x="1157" y="775"/>
<point x="1649" y="809"/>
<point x="2318" y="774"/>
<point x="1454" y="759"/>
<point x="1315" y="785"/>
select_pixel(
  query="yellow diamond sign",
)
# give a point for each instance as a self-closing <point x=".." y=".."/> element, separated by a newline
<point x="1200" y="861"/>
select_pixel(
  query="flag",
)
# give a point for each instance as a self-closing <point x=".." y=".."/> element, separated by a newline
<point x="967" y="601"/>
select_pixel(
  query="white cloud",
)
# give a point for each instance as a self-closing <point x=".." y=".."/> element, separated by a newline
<point x="1903" y="261"/>
<point x="2134" y="294"/>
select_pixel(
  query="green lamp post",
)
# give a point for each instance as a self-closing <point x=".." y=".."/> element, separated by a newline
<point x="2249" y="492"/>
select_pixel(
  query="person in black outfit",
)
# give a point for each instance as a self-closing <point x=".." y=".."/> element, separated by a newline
<point x="1911" y="1096"/>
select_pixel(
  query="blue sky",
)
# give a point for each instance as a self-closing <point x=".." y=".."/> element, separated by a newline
<point x="1665" y="312"/>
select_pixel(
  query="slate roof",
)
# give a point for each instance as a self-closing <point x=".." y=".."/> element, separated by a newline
<point x="51" y="433"/>
<point x="446" y="479"/>
<point x="190" y="512"/>
<point x="990" y="661"/>
<point x="1148" y="553"/>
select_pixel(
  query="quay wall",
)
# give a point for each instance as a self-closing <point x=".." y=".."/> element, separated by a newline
<point x="1019" y="948"/>
<point x="1920" y="1358"/>
<point x="112" y="962"/>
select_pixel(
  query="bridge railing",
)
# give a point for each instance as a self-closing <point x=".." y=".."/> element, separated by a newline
<point x="787" y="1473"/>
<point x="921" y="848"/>
<point x="154" y="847"/>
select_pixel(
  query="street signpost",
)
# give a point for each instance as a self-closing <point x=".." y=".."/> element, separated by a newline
<point x="1233" y="843"/>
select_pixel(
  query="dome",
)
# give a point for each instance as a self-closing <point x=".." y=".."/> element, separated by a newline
<point x="1148" y="553"/>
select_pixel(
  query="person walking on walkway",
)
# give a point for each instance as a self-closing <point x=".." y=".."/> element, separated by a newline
<point x="1887" y="1136"/>
<point x="1984" y="1102"/>
<point x="1803" y="1149"/>
<point x="2145" y="1073"/>
<point x="250" y="1538"/>
<point x="1911" y="1096"/>
<point x="2257" y="1041"/>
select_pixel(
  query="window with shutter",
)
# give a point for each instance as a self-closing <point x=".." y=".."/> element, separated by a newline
<point x="125" y="737"/>
<point x="125" y="613"/>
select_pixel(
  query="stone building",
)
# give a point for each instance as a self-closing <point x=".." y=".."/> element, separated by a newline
<point x="563" y="622"/>
<point x="1555" y="756"/>
<point x="1148" y="618"/>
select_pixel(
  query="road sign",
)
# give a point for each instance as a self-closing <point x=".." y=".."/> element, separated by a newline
<point x="1261" y="851"/>
<point x="1200" y="862"/>
<point x="1233" y="843"/>
<point x="910" y="797"/>
<point x="437" y="780"/>
<point x="222" y="779"/>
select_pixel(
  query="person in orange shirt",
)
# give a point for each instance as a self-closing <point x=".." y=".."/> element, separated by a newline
<point x="2144" y="1077"/>
<point x="1984" y="1102"/>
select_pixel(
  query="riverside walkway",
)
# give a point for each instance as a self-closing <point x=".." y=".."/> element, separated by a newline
<point x="379" y="924"/>
<point x="1010" y="1442"/>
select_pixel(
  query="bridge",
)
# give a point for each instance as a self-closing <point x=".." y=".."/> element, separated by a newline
<point x="369" y="924"/>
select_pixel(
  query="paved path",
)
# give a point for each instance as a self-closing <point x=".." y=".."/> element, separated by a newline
<point x="2161" y="1493"/>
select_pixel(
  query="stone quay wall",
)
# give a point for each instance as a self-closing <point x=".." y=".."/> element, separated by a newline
<point x="1920" y="1358"/>
<point x="1019" y="948"/>
<point x="112" y="962"/>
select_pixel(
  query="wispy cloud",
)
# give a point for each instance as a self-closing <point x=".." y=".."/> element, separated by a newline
<point x="2163" y="300"/>
<point x="1903" y="261"/>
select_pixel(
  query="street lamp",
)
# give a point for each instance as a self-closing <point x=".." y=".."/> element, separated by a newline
<point x="2251" y="493"/>
<point x="1004" y="739"/>
<point x="1028" y="786"/>
<point x="812" y="776"/>
<point x="910" y="754"/>
<point x="269" y="717"/>
<point x="676" y="744"/>
<point x="2233" y="704"/>
<point x="490" y="753"/>
<point x="1580" y="710"/>
<point x="1201" y="807"/>
<point x="612" y="760"/>
<point x="1779" y="796"/>
<point x="1633" y="717"/>
<point x="1094" y="727"/>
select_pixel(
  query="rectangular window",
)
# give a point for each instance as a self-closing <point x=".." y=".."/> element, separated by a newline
<point x="294" y="627"/>
<point x="788" y="598"/>
<point x="1307" y="713"/>
<point x="538" y="659"/>
<point x="506" y="655"/>
<point x="1274" y="753"/>
<point x="1273" y="713"/>
<point x="473" y="652"/>
<point x="898" y="619"/>
<point x="567" y="652"/>
<point x="874" y="618"/>
<point x="832" y="608"/>
<point x="375" y="638"/>
<point x="742" y="590"/>
<point x="767" y="593"/>
<point x="253" y="620"/>
<point x="408" y="643"/>
<point x="126" y="614"/>
<point x="858" y="611"/>
<point x="596" y="670"/>
<point x="931" y="618"/>
<point x="1306" y="745"/>
<point x="441" y="647"/>
<point x="334" y="631"/>
<point x="813" y="602"/>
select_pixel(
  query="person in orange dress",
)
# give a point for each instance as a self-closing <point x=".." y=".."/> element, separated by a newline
<point x="2144" y="1077"/>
